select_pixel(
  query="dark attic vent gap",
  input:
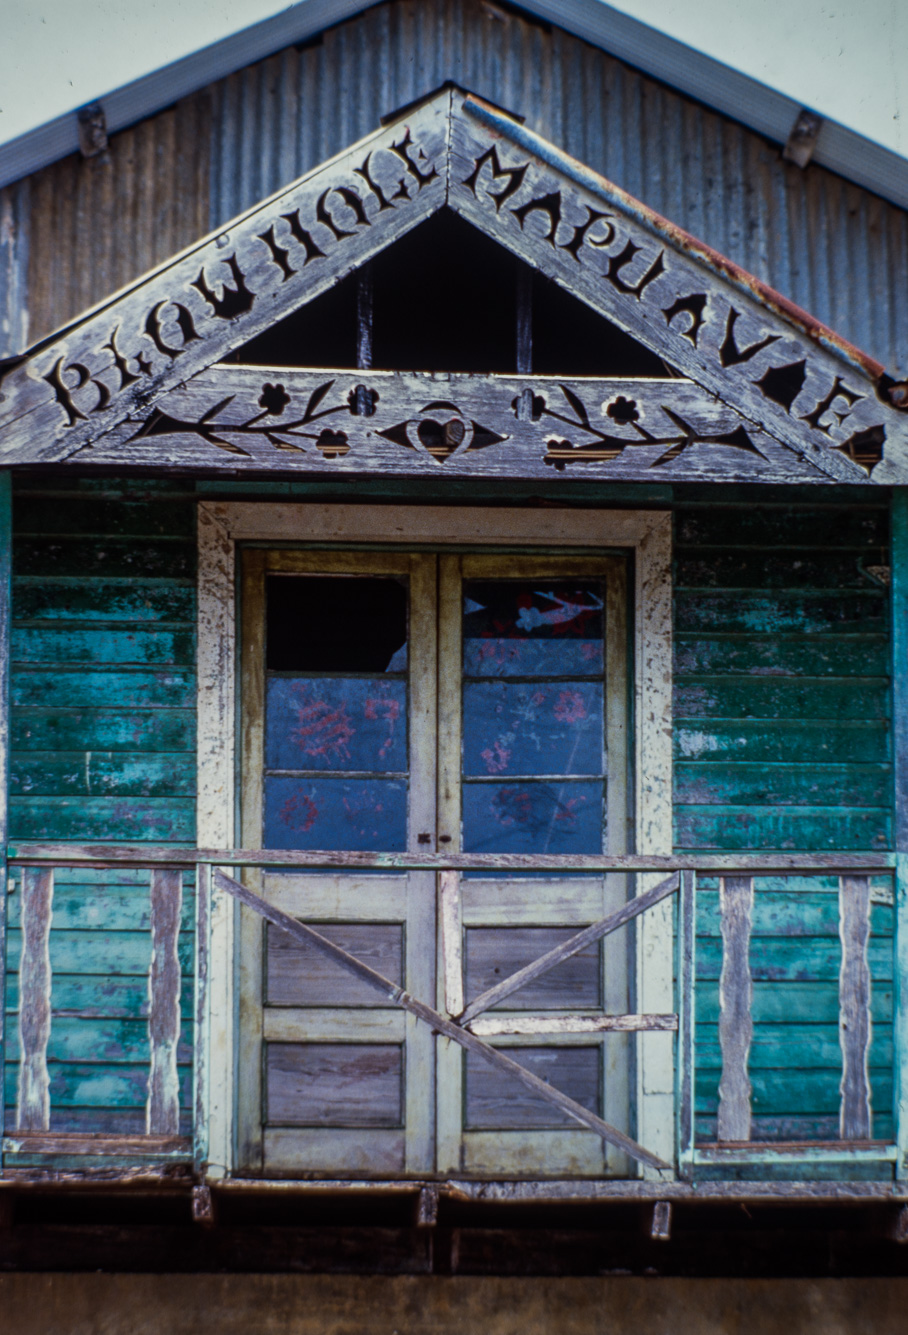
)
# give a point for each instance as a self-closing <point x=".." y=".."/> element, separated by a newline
<point x="445" y="298"/>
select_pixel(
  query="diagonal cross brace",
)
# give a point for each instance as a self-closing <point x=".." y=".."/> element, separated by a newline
<point x="448" y="1028"/>
<point x="595" y="932"/>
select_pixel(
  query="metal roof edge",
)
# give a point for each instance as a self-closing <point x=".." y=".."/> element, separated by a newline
<point x="719" y="86"/>
<point x="143" y="97"/>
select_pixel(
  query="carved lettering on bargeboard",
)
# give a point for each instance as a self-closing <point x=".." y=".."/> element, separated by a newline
<point x="389" y="177"/>
<point x="644" y="270"/>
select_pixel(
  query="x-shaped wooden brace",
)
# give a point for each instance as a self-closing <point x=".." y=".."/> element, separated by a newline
<point x="455" y="1029"/>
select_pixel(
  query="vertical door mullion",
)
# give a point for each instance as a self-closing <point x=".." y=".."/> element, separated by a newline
<point x="250" y="981"/>
<point x="449" y="1076"/>
<point x="616" y="949"/>
<point x="419" y="1063"/>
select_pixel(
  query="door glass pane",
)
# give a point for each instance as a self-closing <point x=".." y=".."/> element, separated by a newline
<point x="534" y="760"/>
<point x="335" y="713"/>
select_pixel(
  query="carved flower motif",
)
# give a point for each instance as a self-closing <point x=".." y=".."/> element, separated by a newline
<point x="623" y="410"/>
<point x="274" y="399"/>
<point x="333" y="444"/>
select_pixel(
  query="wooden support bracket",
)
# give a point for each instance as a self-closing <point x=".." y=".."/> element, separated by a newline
<point x="427" y="1207"/>
<point x="661" y="1227"/>
<point x="203" y="1211"/>
<point x="899" y="1230"/>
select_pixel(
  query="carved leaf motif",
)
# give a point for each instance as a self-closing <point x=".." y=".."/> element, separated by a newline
<point x="577" y="404"/>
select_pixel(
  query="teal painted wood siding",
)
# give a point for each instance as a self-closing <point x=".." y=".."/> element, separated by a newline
<point x="103" y="748"/>
<point x="782" y="741"/>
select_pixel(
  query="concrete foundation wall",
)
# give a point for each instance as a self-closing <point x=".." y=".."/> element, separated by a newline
<point x="95" y="1304"/>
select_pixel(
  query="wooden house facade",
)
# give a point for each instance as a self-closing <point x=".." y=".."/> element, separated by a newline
<point x="455" y="721"/>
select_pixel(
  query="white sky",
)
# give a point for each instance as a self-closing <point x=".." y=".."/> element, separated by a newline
<point x="846" y="59"/>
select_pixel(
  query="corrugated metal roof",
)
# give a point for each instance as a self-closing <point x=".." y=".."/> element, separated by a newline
<point x="829" y="246"/>
<point x="725" y="89"/>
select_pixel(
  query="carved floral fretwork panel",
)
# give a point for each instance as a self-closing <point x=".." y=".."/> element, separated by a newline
<point x="246" y="417"/>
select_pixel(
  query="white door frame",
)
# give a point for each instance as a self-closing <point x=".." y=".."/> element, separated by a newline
<point x="221" y="525"/>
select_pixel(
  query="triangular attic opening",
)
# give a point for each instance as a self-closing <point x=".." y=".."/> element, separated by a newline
<point x="446" y="298"/>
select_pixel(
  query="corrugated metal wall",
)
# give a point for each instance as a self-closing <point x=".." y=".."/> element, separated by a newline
<point x="830" y="246"/>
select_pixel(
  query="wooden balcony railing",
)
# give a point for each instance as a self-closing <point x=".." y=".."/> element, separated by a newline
<point x="470" y="1026"/>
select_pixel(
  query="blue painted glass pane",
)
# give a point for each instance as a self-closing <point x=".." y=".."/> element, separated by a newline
<point x="526" y="628"/>
<point x="539" y="817"/>
<point x="335" y="723"/>
<point x="532" y="728"/>
<point x="335" y="813"/>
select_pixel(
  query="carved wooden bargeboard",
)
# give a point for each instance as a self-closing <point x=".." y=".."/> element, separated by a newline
<point x="765" y="394"/>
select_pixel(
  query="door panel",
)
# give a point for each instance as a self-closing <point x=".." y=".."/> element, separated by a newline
<point x="332" y="1079"/>
<point x="419" y="702"/>
<point x="533" y="671"/>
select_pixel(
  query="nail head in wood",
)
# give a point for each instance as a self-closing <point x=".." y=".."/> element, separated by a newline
<point x="202" y="1207"/>
<point x="661" y="1229"/>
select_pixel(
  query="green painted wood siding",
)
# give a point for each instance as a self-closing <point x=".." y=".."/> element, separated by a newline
<point x="103" y="748"/>
<point x="782" y="741"/>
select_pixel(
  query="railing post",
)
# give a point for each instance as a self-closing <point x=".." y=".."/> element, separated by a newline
<point x="854" y="1007"/>
<point x="200" y="1055"/>
<point x="34" y="999"/>
<point x="163" y="1108"/>
<point x="687" y="918"/>
<point x="736" y="896"/>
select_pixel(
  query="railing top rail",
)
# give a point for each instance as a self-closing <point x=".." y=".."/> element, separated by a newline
<point x="25" y="854"/>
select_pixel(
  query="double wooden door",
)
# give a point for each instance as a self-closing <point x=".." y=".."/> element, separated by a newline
<point x="420" y="702"/>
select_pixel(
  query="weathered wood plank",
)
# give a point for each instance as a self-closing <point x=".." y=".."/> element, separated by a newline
<point x="334" y="1084"/>
<point x="801" y="612"/>
<point x="72" y="1142"/>
<point x="106" y="729"/>
<point x="783" y="524"/>
<point x="786" y="743"/>
<point x="33" y="1104"/>
<point x="103" y="773"/>
<point x="493" y="996"/>
<point x="202" y="1031"/>
<point x="735" y="1022"/>
<point x="172" y="688"/>
<point x="750" y="655"/>
<point x="754" y="827"/>
<point x="164" y="818"/>
<point x="793" y="959"/>
<point x="739" y="783"/>
<point x="491" y="1026"/>
<point x="446" y="1028"/>
<point x="451" y="941"/>
<point x="774" y="698"/>
<point x="123" y="558"/>
<point x="147" y="855"/>
<point x="56" y="644"/>
<point x="854" y="1018"/>
<point x="163" y="1109"/>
